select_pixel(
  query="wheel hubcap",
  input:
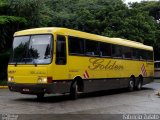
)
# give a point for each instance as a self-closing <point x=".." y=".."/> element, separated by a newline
<point x="139" y="85"/>
<point x="131" y="84"/>
<point x="76" y="88"/>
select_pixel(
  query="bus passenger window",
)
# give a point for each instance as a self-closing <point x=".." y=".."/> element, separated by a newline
<point x="76" y="46"/>
<point x="127" y="52"/>
<point x="136" y="54"/>
<point x="143" y="55"/>
<point x="105" y="49"/>
<point x="61" y="50"/>
<point x="116" y="51"/>
<point x="149" y="55"/>
<point x="92" y="48"/>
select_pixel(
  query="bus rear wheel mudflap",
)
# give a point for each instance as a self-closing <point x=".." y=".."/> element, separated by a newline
<point x="131" y="84"/>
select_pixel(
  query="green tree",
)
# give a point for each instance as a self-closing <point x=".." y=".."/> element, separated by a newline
<point x="36" y="12"/>
<point x="131" y="24"/>
<point x="153" y="9"/>
<point x="8" y="25"/>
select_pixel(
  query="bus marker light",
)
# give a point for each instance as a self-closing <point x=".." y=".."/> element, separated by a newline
<point x="49" y="79"/>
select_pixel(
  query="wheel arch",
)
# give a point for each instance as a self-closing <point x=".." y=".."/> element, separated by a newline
<point x="80" y="82"/>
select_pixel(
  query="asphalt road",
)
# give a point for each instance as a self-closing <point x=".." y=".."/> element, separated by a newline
<point x="97" y="104"/>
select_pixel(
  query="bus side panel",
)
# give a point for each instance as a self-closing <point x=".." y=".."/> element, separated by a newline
<point x="107" y="73"/>
<point x="105" y="84"/>
<point x="95" y="68"/>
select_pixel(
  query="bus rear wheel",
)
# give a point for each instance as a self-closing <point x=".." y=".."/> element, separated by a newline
<point x="131" y="84"/>
<point x="139" y="84"/>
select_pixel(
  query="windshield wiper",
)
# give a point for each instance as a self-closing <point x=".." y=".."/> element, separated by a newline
<point x="21" y="58"/>
<point x="16" y="63"/>
<point x="31" y="57"/>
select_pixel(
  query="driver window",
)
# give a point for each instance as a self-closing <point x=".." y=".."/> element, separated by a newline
<point x="61" y="50"/>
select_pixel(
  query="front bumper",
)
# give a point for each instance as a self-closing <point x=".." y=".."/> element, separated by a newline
<point x="59" y="87"/>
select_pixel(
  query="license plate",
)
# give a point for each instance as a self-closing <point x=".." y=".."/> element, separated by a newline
<point x="25" y="90"/>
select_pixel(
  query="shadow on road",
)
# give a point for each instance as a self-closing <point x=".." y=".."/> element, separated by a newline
<point x="65" y="97"/>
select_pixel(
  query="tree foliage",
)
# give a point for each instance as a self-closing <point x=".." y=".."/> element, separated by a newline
<point x="136" y="21"/>
<point x="8" y="25"/>
<point x="36" y="12"/>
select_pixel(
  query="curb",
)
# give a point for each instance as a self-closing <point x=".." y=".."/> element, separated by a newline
<point x="3" y="87"/>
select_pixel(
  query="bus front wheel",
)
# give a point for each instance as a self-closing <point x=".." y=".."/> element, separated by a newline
<point x="74" y="91"/>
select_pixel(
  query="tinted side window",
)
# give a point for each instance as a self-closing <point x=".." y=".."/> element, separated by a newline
<point x="149" y="55"/>
<point x="142" y="55"/>
<point x="76" y="45"/>
<point x="61" y="50"/>
<point x="91" y="48"/>
<point x="116" y="51"/>
<point x="127" y="52"/>
<point x="135" y="54"/>
<point x="105" y="49"/>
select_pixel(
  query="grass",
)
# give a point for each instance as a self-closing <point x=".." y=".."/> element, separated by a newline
<point x="3" y="82"/>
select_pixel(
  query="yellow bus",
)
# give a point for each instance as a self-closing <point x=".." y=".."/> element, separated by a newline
<point x="61" y="60"/>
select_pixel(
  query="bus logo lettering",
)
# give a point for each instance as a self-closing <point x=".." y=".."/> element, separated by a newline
<point x="12" y="72"/>
<point x="100" y="64"/>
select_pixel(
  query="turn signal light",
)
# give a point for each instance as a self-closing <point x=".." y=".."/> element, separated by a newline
<point x="10" y="79"/>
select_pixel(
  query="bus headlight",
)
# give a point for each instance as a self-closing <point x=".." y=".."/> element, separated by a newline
<point x="10" y="79"/>
<point x="42" y="80"/>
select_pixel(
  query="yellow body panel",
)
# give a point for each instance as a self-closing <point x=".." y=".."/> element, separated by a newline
<point x="83" y="66"/>
<point x="107" y="68"/>
<point x="27" y="73"/>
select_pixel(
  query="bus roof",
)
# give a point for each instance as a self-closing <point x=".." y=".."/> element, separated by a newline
<point x="76" y="33"/>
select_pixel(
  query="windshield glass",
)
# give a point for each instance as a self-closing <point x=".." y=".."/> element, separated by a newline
<point x="34" y="49"/>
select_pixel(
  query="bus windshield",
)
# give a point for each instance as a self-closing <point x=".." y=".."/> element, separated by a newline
<point x="33" y="49"/>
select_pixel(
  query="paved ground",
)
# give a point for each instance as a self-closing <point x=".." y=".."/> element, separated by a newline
<point x="109" y="102"/>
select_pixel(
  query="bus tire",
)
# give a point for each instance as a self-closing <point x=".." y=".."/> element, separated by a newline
<point x="74" y="91"/>
<point x="139" y="84"/>
<point x="131" y="84"/>
<point x="40" y="96"/>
